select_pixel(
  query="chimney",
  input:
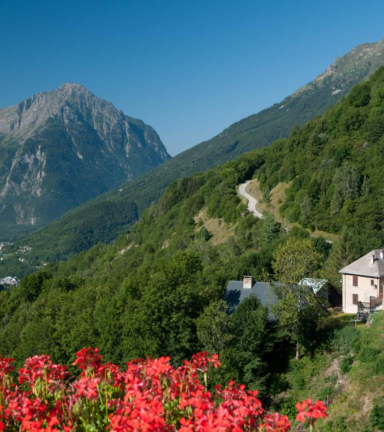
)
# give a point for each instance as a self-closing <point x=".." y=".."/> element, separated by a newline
<point x="373" y="259"/>
<point x="248" y="282"/>
<point x="382" y="254"/>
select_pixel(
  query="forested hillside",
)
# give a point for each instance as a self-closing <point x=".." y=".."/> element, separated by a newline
<point x="333" y="167"/>
<point x="185" y="249"/>
<point x="158" y="290"/>
<point x="56" y="242"/>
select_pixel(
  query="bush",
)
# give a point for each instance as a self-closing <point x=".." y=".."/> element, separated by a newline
<point x="379" y="365"/>
<point x="346" y="339"/>
<point x="376" y="417"/>
<point x="326" y="393"/>
<point x="296" y="376"/>
<point x="338" y="425"/>
<point x="345" y="364"/>
<point x="368" y="354"/>
<point x="288" y="408"/>
<point x="204" y="234"/>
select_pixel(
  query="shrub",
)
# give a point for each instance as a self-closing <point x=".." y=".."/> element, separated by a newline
<point x="150" y="396"/>
<point x="338" y="425"/>
<point x="288" y="407"/>
<point x="326" y="393"/>
<point x="376" y="417"/>
<point x="204" y="234"/>
<point x="346" y="339"/>
<point x="379" y="365"/>
<point x="368" y="354"/>
<point x="345" y="364"/>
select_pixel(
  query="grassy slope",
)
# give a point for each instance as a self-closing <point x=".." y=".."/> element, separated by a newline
<point x="348" y="374"/>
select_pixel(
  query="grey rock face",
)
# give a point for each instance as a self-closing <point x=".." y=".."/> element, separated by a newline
<point x="73" y="102"/>
<point x="61" y="148"/>
<point x="349" y="69"/>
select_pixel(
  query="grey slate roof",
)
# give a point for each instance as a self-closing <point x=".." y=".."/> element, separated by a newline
<point x="235" y="293"/>
<point x="364" y="266"/>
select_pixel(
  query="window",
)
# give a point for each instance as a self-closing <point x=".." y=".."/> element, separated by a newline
<point x="355" y="299"/>
<point x="372" y="282"/>
<point x="355" y="280"/>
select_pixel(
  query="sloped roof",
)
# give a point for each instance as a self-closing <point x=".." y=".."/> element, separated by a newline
<point x="235" y="293"/>
<point x="315" y="284"/>
<point x="365" y="266"/>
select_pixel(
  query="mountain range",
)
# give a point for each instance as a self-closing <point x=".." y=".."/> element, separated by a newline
<point x="109" y="214"/>
<point x="255" y="131"/>
<point x="62" y="148"/>
<point x="159" y="289"/>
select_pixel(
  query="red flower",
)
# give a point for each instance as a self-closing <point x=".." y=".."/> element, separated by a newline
<point x="86" y="387"/>
<point x="150" y="396"/>
<point x="309" y="411"/>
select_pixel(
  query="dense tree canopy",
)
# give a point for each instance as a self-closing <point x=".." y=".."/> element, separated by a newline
<point x="158" y="289"/>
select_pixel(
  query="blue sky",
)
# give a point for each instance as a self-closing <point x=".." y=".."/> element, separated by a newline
<point x="187" y="68"/>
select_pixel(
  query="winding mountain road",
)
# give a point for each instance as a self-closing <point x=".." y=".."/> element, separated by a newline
<point x="251" y="200"/>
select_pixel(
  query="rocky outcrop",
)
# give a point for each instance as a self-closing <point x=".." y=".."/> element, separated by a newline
<point x="61" y="148"/>
<point x="349" y="69"/>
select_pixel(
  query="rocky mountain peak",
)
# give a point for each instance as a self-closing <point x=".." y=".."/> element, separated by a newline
<point x="69" y="91"/>
<point x="64" y="147"/>
<point x="70" y="102"/>
<point x="72" y="87"/>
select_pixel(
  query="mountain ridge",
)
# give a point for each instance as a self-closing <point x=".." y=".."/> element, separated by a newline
<point x="159" y="290"/>
<point x="255" y="131"/>
<point x="16" y="120"/>
<point x="63" y="148"/>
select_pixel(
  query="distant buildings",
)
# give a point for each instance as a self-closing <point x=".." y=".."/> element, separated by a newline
<point x="4" y="244"/>
<point x="362" y="282"/>
<point x="10" y="281"/>
<point x="24" y="249"/>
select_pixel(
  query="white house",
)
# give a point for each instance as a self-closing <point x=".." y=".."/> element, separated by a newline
<point x="363" y="281"/>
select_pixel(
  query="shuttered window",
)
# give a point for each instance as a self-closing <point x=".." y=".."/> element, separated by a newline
<point x="355" y="280"/>
<point x="355" y="299"/>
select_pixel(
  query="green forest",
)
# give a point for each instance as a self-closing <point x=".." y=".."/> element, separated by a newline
<point x="158" y="289"/>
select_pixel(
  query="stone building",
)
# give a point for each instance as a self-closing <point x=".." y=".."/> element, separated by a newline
<point x="363" y="282"/>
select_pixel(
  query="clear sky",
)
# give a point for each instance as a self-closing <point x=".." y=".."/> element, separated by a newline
<point x="189" y="68"/>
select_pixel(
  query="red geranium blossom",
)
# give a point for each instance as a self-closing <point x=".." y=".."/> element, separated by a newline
<point x="150" y="396"/>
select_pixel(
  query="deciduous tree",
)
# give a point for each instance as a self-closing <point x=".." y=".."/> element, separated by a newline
<point x="295" y="260"/>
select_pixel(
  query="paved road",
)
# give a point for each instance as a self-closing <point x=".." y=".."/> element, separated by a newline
<point x="251" y="201"/>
